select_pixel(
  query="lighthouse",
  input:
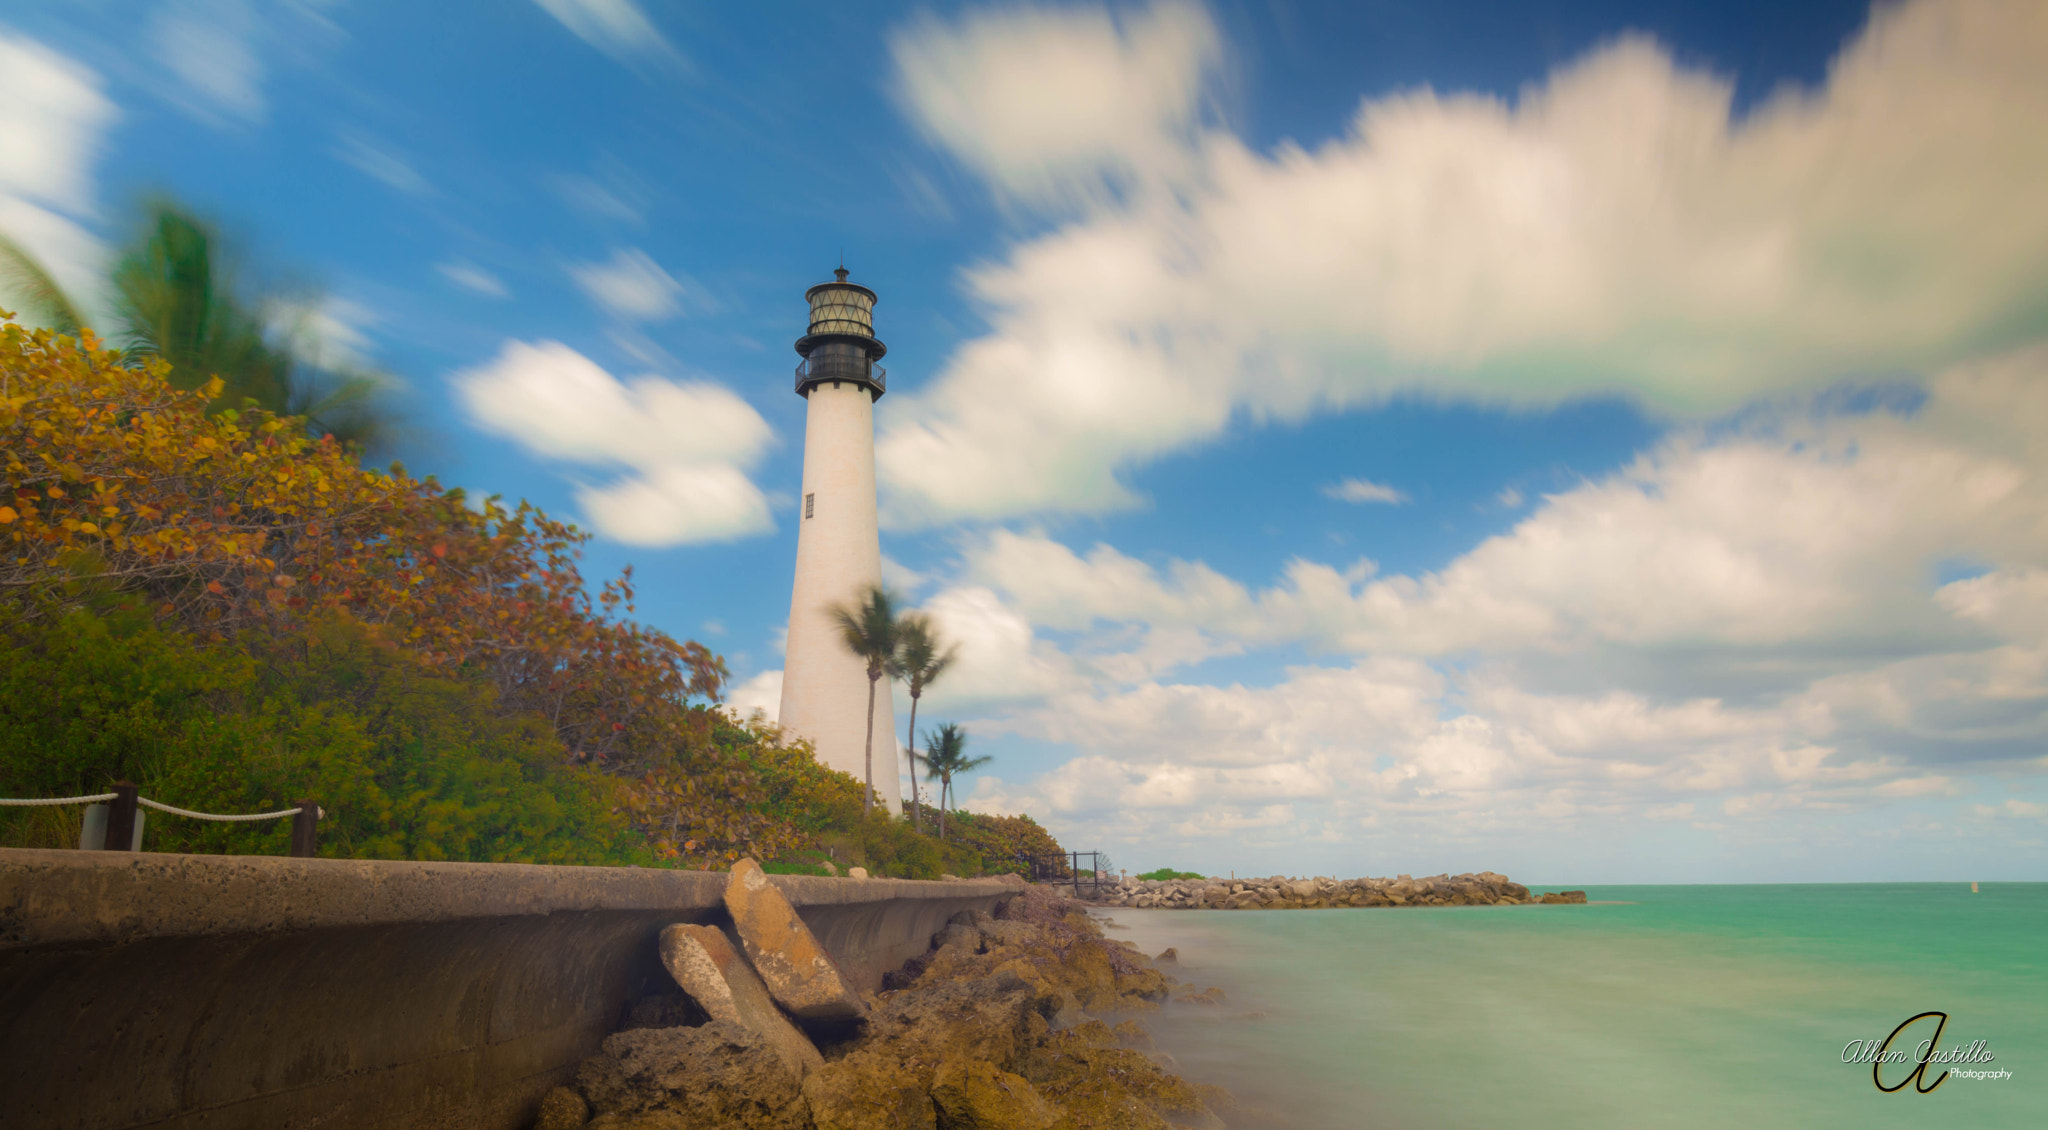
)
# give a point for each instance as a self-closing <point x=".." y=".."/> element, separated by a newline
<point x="838" y="548"/>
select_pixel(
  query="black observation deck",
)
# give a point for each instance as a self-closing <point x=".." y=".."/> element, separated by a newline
<point x="841" y="344"/>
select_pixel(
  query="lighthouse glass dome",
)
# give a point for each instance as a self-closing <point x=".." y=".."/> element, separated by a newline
<point x="842" y="310"/>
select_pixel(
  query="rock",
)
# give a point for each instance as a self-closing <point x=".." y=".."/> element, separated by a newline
<point x="562" y="1109"/>
<point x="865" y="1092"/>
<point x="1210" y="995"/>
<point x="1573" y="896"/>
<point x="1168" y="954"/>
<point x="829" y="868"/>
<point x="1132" y="1034"/>
<point x="973" y="1095"/>
<point x="797" y="970"/>
<point x="703" y="962"/>
<point x="989" y="1018"/>
<point x="856" y="872"/>
<point x="718" y="1074"/>
<point x="958" y="934"/>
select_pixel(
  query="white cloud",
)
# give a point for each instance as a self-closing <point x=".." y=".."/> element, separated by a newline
<point x="50" y="137"/>
<point x="331" y="333"/>
<point x="687" y="445"/>
<point x="1742" y="624"/>
<point x="210" y="47"/>
<point x="469" y="276"/>
<point x="594" y="199"/>
<point x="763" y="692"/>
<point x="616" y="27"/>
<point x="632" y="285"/>
<point x="378" y="162"/>
<point x="1363" y="490"/>
<point x="1049" y="105"/>
<point x="1613" y="229"/>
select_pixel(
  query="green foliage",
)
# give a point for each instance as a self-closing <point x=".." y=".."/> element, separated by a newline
<point x="1165" y="873"/>
<point x="1006" y="843"/>
<point x="408" y="763"/>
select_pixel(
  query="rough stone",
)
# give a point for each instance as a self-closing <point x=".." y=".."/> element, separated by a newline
<point x="856" y="872"/>
<point x="562" y="1109"/>
<point x="703" y="962"/>
<point x="1168" y="954"/>
<point x="797" y="970"/>
<point x="718" y="1074"/>
<point x="869" y="1092"/>
<point x="973" y="1095"/>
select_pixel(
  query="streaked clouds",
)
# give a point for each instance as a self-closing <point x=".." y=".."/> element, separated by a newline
<point x="686" y="446"/>
<point x="1613" y="229"/>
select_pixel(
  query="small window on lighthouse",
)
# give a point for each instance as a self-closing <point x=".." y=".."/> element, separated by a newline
<point x="810" y="504"/>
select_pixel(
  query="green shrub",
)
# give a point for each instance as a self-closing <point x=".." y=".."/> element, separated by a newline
<point x="407" y="762"/>
<point x="1169" y="873"/>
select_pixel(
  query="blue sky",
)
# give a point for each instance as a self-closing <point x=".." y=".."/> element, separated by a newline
<point x="1593" y="441"/>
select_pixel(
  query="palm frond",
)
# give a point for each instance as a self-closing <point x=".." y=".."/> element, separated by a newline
<point x="23" y="276"/>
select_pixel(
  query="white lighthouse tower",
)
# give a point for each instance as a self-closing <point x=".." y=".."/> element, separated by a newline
<point x="838" y="549"/>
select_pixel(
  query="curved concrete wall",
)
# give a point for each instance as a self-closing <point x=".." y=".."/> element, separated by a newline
<point x="242" y="991"/>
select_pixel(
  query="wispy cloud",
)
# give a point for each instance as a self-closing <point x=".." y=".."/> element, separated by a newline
<point x="379" y="162"/>
<point x="1363" y="490"/>
<point x="633" y="286"/>
<point x="210" y="47"/>
<point x="469" y="276"/>
<point x="616" y="27"/>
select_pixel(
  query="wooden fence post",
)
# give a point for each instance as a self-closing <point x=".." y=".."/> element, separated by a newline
<point x="306" y="830"/>
<point x="121" y="818"/>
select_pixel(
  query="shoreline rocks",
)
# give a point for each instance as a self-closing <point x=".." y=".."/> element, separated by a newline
<point x="797" y="970"/>
<point x="998" y="1027"/>
<point x="1486" y="888"/>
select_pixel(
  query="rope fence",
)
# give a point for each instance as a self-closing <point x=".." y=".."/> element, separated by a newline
<point x="160" y="807"/>
<point x="113" y="822"/>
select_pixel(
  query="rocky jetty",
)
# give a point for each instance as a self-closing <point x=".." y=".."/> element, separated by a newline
<point x="1487" y="888"/>
<point x="999" y="1026"/>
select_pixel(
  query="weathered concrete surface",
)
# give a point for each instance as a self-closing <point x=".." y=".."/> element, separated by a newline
<point x="782" y="948"/>
<point x="703" y="961"/>
<point x="139" y="989"/>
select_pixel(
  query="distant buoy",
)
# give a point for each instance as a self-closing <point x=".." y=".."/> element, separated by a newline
<point x="1973" y="888"/>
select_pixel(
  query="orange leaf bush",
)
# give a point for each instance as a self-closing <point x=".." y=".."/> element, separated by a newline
<point x="236" y="521"/>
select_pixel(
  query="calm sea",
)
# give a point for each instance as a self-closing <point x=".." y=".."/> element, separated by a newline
<point x="1682" y="1006"/>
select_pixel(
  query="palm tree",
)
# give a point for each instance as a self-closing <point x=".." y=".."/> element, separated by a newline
<point x="945" y="757"/>
<point x="172" y="295"/>
<point x="919" y="661"/>
<point x="869" y="630"/>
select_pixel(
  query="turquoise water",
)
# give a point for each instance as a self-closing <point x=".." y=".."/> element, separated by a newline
<point x="1683" y="1006"/>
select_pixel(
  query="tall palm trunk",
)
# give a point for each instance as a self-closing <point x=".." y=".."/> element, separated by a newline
<point x="945" y="791"/>
<point x="916" y="817"/>
<point x="867" y="799"/>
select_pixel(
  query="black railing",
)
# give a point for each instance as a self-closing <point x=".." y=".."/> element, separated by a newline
<point x="1086" y="871"/>
<point x="829" y="367"/>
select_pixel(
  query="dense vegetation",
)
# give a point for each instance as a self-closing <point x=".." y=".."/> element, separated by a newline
<point x="1165" y="874"/>
<point x="234" y="614"/>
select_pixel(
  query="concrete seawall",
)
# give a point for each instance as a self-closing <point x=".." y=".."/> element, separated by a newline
<point x="182" y="991"/>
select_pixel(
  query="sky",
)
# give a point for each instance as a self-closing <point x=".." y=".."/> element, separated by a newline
<point x="1596" y="442"/>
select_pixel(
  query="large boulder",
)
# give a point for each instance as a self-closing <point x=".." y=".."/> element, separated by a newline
<point x="703" y="962"/>
<point x="561" y="1109"/>
<point x="716" y="1075"/>
<point x="797" y="970"/>
<point x="972" y="1095"/>
<point x="865" y="1091"/>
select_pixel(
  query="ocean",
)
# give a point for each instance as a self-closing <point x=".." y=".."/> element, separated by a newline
<point x="1655" y="1006"/>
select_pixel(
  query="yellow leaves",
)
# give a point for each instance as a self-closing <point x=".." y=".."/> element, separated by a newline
<point x="7" y="515"/>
